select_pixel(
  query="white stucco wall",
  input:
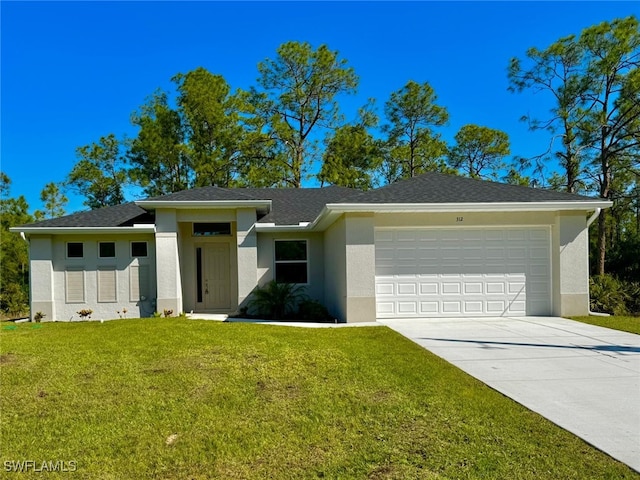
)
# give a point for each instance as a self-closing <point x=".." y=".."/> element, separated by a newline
<point x="335" y="274"/>
<point x="90" y="263"/>
<point x="247" y="253"/>
<point x="571" y="264"/>
<point x="360" y="259"/>
<point x="169" y="282"/>
<point x="41" y="276"/>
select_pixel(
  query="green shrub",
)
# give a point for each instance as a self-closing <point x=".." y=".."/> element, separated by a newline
<point x="313" y="311"/>
<point x="276" y="300"/>
<point x="608" y="295"/>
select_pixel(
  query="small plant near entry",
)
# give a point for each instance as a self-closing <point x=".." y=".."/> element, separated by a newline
<point x="313" y="311"/>
<point x="156" y="315"/>
<point x="38" y="317"/>
<point x="85" y="313"/>
<point x="167" y="313"/>
<point x="275" y="300"/>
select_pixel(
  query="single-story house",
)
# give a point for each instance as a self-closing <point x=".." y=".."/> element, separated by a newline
<point x="430" y="246"/>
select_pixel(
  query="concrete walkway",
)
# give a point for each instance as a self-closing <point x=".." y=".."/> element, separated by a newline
<point x="583" y="378"/>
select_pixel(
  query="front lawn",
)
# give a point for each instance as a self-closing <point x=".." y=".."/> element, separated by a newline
<point x="177" y="398"/>
<point x="618" y="322"/>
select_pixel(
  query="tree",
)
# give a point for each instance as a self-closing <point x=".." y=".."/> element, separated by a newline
<point x="158" y="158"/>
<point x="479" y="151"/>
<point x="413" y="148"/>
<point x="557" y="71"/>
<point x="99" y="175"/>
<point x="299" y="93"/>
<point x="14" y="252"/>
<point x="54" y="201"/>
<point x="352" y="154"/>
<point x="213" y="129"/>
<point x="612" y="94"/>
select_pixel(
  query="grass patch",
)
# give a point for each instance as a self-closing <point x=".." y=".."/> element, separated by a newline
<point x="617" y="322"/>
<point x="176" y="398"/>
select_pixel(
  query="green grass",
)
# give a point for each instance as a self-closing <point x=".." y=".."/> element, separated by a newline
<point x="255" y="401"/>
<point x="626" y="324"/>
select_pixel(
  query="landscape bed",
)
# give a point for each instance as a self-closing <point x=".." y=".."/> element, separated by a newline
<point x="178" y="398"/>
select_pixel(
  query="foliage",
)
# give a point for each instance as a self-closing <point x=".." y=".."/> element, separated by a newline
<point x="413" y="147"/>
<point x="611" y="295"/>
<point x="38" y="317"/>
<point x="54" y="201"/>
<point x="14" y="252"/>
<point x="85" y="313"/>
<point x="479" y="152"/>
<point x="254" y="402"/>
<point x="313" y="311"/>
<point x="275" y="300"/>
<point x="158" y="156"/>
<point x="99" y="175"/>
<point x="167" y="313"/>
<point x="297" y="97"/>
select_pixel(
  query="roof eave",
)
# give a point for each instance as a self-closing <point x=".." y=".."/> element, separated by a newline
<point x="83" y="230"/>
<point x="585" y="205"/>
<point x="202" y="204"/>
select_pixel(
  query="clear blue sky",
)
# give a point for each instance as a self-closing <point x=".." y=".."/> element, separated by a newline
<point x="72" y="72"/>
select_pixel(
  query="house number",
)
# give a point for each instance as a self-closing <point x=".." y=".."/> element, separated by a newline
<point x="459" y="219"/>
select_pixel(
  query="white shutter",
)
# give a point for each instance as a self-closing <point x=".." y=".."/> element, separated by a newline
<point x="74" y="283"/>
<point x="107" y="291"/>
<point x="139" y="282"/>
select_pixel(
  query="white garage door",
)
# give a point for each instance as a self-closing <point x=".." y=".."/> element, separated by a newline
<point x="462" y="272"/>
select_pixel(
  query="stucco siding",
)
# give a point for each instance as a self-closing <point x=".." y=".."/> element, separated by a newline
<point x="335" y="279"/>
<point x="90" y="263"/>
<point x="571" y="264"/>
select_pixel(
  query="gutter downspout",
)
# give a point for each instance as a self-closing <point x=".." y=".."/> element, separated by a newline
<point x="592" y="219"/>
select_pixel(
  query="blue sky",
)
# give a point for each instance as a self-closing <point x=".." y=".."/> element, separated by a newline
<point x="75" y="71"/>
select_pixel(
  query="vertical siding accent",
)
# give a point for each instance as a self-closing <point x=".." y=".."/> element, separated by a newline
<point x="138" y="282"/>
<point x="74" y="286"/>
<point x="107" y="290"/>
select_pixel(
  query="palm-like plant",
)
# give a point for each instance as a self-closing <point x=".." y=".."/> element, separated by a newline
<point x="274" y="300"/>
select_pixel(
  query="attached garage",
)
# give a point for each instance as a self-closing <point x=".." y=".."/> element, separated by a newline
<point x="456" y="272"/>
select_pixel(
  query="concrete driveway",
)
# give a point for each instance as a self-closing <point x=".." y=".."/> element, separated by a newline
<point x="583" y="378"/>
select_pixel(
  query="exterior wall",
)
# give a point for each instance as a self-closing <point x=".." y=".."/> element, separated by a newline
<point x="41" y="277"/>
<point x="90" y="263"/>
<point x="571" y="265"/>
<point x="188" y="245"/>
<point x="247" y="254"/>
<point x="169" y="282"/>
<point x="335" y="272"/>
<point x="360" y="268"/>
<point x="315" y="260"/>
<point x="463" y="219"/>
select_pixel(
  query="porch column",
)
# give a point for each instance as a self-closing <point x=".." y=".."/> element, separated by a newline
<point x="168" y="277"/>
<point x="247" y="253"/>
<point x="360" y="268"/>
<point x="41" y="277"/>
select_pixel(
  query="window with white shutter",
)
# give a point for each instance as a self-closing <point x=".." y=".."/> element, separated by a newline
<point x="74" y="286"/>
<point x="107" y="291"/>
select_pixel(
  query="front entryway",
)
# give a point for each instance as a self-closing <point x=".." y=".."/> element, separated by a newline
<point x="213" y="276"/>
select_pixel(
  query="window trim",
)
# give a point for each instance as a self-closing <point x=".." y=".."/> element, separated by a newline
<point x="114" y="249"/>
<point x="131" y="249"/>
<point x="66" y="253"/>
<point x="307" y="261"/>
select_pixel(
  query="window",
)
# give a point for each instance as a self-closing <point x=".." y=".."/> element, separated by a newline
<point x="138" y="249"/>
<point x="291" y="261"/>
<point x="107" y="291"/>
<point x="75" y="250"/>
<point x="211" y="229"/>
<point x="107" y="249"/>
<point x="74" y="286"/>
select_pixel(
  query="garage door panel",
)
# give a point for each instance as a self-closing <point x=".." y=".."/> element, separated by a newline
<point x="453" y="272"/>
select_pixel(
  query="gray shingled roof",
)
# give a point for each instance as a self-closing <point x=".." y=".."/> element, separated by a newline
<point x="124" y="215"/>
<point x="440" y="188"/>
<point x="289" y="206"/>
